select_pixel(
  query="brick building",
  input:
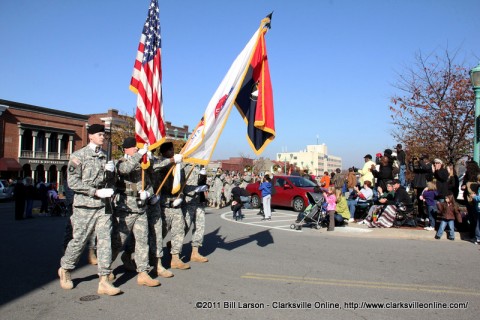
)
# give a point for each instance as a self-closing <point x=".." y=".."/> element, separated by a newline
<point x="37" y="141"/>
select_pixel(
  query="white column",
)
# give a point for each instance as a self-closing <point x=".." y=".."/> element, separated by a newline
<point x="47" y="146"/>
<point x="34" y="143"/>
<point x="59" y="138"/>
<point x="70" y="144"/>
<point x="20" y="136"/>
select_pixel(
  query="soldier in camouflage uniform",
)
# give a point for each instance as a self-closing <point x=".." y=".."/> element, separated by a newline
<point x="194" y="208"/>
<point x="130" y="209"/>
<point x="69" y="194"/>
<point x="227" y="189"/>
<point x="171" y="210"/>
<point x="87" y="178"/>
<point x="218" y="188"/>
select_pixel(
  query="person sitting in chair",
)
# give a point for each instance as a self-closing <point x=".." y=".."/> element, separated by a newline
<point x="359" y="197"/>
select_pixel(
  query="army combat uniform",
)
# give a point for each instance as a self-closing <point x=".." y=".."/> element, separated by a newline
<point x="86" y="175"/>
<point x="130" y="214"/>
<point x="194" y="211"/>
<point x="172" y="216"/>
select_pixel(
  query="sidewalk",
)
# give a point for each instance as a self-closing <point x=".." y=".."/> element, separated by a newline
<point x="353" y="229"/>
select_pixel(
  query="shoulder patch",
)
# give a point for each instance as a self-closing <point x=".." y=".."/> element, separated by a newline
<point x="75" y="161"/>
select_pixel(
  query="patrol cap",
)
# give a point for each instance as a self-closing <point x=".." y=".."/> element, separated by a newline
<point x="166" y="146"/>
<point x="129" y="142"/>
<point x="96" y="128"/>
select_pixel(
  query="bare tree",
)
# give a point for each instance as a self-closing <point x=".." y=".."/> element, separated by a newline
<point x="436" y="113"/>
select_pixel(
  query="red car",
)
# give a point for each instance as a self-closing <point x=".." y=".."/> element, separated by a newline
<point x="290" y="191"/>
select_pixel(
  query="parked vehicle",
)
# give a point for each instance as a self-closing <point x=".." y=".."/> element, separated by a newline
<point x="290" y="191"/>
<point x="6" y="191"/>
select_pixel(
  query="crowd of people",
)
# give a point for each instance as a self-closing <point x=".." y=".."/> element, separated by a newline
<point x="121" y="207"/>
<point x="379" y="193"/>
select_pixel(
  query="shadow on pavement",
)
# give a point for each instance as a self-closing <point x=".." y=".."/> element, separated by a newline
<point x="30" y="252"/>
<point x="215" y="241"/>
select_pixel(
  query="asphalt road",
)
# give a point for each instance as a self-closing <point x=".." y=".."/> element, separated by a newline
<point x="261" y="270"/>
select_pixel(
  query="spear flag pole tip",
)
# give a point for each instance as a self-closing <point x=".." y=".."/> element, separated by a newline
<point x="269" y="23"/>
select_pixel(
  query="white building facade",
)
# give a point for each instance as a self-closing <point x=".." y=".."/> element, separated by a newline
<point x="315" y="159"/>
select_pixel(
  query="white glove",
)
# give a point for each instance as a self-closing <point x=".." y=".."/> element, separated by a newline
<point x="144" y="149"/>
<point x="109" y="166"/>
<point x="104" y="193"/>
<point x="144" y="195"/>
<point x="178" y="158"/>
<point x="177" y="202"/>
<point x="149" y="155"/>
<point x="201" y="188"/>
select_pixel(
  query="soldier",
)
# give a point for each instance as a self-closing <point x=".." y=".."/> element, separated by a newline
<point x="218" y="188"/>
<point x="131" y="196"/>
<point x="69" y="194"/>
<point x="194" y="208"/>
<point x="227" y="189"/>
<point x="87" y="179"/>
<point x="171" y="210"/>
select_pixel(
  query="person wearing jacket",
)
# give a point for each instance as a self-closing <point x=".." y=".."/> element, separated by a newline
<point x="266" y="189"/>
<point x="366" y="172"/>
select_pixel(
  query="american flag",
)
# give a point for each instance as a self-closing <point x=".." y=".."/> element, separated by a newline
<point x="146" y="82"/>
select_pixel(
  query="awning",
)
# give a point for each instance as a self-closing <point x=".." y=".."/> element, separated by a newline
<point x="9" y="164"/>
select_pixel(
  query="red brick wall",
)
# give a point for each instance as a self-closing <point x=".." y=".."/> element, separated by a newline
<point x="12" y="116"/>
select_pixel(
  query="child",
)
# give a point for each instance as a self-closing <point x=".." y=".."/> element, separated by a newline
<point x="447" y="212"/>
<point x="331" y="200"/>
<point x="428" y="195"/>
<point x="266" y="189"/>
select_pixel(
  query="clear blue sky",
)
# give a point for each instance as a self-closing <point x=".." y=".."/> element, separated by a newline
<point x="332" y="62"/>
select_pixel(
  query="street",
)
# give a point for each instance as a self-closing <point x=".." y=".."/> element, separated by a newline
<point x="257" y="269"/>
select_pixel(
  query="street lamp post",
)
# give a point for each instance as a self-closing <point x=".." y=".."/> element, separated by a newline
<point x="475" y="77"/>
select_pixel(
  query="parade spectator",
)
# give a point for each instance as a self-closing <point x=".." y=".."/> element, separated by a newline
<point x="453" y="181"/>
<point x="19" y="194"/>
<point x="342" y="206"/>
<point x="440" y="175"/>
<point x="351" y="179"/>
<point x="422" y="170"/>
<point x="448" y="212"/>
<point x="384" y="172"/>
<point x="366" y="172"/>
<point x="266" y="189"/>
<point x="469" y="187"/>
<point x="429" y="196"/>
<point x="476" y="198"/>
<point x="359" y="197"/>
<point x="325" y="180"/>
<point x="29" y="197"/>
<point x="338" y="180"/>
<point x="42" y="191"/>
<point x="375" y="212"/>
<point x="331" y="201"/>
<point x="401" y="157"/>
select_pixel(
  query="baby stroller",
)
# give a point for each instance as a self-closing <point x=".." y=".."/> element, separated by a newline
<point x="313" y="215"/>
<point x="57" y="207"/>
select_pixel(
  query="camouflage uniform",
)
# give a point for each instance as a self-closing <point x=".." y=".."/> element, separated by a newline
<point x="227" y="189"/>
<point x="129" y="214"/>
<point x="172" y="217"/>
<point x="154" y="214"/>
<point x="68" y="235"/>
<point x="194" y="209"/>
<point x="86" y="174"/>
<point x="218" y="189"/>
<point x="211" y="192"/>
